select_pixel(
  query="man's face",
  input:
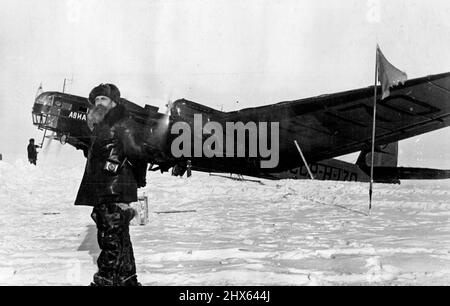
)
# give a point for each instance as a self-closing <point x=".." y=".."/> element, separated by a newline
<point x="105" y="102"/>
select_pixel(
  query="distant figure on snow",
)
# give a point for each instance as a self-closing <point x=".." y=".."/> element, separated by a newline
<point x="32" y="153"/>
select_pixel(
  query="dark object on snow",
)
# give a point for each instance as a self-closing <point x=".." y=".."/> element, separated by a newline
<point x="175" y="211"/>
<point x="189" y="171"/>
<point x="32" y="153"/>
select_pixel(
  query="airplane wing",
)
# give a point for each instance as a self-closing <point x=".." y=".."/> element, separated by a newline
<point x="336" y="124"/>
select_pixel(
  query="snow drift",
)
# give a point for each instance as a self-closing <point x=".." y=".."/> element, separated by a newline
<point x="209" y="230"/>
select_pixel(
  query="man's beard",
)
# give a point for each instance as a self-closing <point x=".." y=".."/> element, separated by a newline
<point x="95" y="115"/>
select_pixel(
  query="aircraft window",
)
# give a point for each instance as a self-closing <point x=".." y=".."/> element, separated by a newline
<point x="83" y="109"/>
<point x="38" y="119"/>
<point x="45" y="100"/>
<point x="51" y="121"/>
<point x="55" y="111"/>
<point x="66" y="106"/>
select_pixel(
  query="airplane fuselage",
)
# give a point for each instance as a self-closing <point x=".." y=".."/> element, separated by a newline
<point x="258" y="135"/>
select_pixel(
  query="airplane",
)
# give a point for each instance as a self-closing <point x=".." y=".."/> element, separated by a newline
<point x="325" y="127"/>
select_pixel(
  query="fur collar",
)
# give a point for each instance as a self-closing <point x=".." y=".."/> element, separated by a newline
<point x="115" y="114"/>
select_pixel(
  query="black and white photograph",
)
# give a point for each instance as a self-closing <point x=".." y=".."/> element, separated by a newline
<point x="224" y="143"/>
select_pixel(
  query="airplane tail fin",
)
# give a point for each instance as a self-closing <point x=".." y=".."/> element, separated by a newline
<point x="385" y="156"/>
<point x="386" y="170"/>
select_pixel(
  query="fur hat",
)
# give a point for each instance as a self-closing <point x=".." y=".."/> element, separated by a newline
<point x="108" y="90"/>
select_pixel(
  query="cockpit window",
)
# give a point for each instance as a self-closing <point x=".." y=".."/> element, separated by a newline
<point x="45" y="100"/>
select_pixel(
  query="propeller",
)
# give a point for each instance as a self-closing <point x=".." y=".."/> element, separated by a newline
<point x="163" y="126"/>
<point x="169" y="106"/>
<point x="159" y="131"/>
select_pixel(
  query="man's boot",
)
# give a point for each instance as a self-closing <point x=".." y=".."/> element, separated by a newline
<point x="130" y="281"/>
<point x="100" y="281"/>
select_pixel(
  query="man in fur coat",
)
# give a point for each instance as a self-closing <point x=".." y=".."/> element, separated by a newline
<point x="115" y="168"/>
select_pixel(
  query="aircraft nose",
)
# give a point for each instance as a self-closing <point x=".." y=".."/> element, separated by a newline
<point x="43" y="112"/>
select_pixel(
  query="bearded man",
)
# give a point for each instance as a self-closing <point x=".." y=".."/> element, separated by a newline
<point x="115" y="168"/>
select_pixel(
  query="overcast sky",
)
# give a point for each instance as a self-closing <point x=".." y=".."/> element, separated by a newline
<point x="226" y="54"/>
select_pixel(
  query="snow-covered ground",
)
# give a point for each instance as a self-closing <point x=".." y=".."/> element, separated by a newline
<point x="233" y="233"/>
